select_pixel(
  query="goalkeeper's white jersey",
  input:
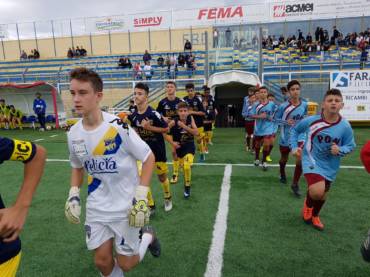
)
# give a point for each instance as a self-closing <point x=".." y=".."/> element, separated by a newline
<point x="109" y="155"/>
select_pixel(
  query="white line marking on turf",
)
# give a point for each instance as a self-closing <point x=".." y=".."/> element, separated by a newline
<point x="243" y="165"/>
<point x="215" y="259"/>
<point x="53" y="136"/>
<point x="38" y="140"/>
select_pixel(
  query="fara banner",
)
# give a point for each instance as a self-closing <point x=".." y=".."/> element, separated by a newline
<point x="355" y="87"/>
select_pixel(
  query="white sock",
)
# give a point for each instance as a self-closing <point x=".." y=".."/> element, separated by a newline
<point x="116" y="272"/>
<point x="145" y="241"/>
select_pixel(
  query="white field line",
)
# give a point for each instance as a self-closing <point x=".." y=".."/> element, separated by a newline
<point x="225" y="164"/>
<point x="36" y="140"/>
<point x="53" y="136"/>
<point x="215" y="255"/>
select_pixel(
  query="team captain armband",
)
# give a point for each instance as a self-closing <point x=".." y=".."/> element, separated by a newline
<point x="23" y="151"/>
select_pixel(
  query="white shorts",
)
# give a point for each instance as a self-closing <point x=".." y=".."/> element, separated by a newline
<point x="126" y="238"/>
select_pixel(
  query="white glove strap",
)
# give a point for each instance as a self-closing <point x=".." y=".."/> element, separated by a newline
<point x="74" y="191"/>
<point x="141" y="192"/>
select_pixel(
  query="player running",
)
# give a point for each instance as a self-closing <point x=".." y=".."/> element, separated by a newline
<point x="167" y="107"/>
<point x="150" y="126"/>
<point x="107" y="149"/>
<point x="329" y="137"/>
<point x="249" y="122"/>
<point x="262" y="112"/>
<point x="208" y="120"/>
<point x="12" y="219"/>
<point x="291" y="112"/>
<point x="211" y="106"/>
<point x="195" y="108"/>
<point x="183" y="130"/>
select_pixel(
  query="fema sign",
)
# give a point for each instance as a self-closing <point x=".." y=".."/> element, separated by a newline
<point x="355" y="88"/>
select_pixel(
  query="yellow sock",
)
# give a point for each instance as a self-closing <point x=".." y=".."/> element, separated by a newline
<point x="166" y="189"/>
<point x="210" y="136"/>
<point x="150" y="198"/>
<point x="187" y="173"/>
<point x="176" y="167"/>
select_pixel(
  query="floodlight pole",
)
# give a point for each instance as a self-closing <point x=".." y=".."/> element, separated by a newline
<point x="19" y="42"/>
<point x="260" y="56"/>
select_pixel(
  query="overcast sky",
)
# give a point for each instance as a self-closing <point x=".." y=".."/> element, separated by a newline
<point x="35" y="10"/>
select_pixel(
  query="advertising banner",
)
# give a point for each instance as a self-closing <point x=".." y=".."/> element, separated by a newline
<point x="355" y="87"/>
<point x="110" y="24"/>
<point x="219" y="16"/>
<point x="315" y="9"/>
<point x="143" y="21"/>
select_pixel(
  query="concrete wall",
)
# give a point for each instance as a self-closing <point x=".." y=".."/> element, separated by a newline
<point x="115" y="43"/>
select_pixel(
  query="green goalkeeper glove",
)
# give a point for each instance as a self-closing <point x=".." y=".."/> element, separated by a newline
<point x="139" y="212"/>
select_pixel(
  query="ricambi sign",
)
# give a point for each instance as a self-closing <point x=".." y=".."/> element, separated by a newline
<point x="355" y="88"/>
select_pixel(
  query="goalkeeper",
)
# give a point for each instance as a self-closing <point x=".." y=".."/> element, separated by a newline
<point x="116" y="208"/>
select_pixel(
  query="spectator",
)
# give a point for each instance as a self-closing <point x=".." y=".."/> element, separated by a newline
<point x="36" y="54"/>
<point x="31" y="56"/>
<point x="363" y="59"/>
<point x="78" y="52"/>
<point x="146" y="57"/>
<point x="181" y="60"/>
<point x="124" y="62"/>
<point x="321" y="36"/>
<point x="215" y="38"/>
<point x="39" y="107"/>
<point x="70" y="53"/>
<point x="83" y="51"/>
<point x="168" y="61"/>
<point x="173" y="59"/>
<point x="228" y="37"/>
<point x="317" y="34"/>
<point x="172" y="71"/>
<point x="309" y="38"/>
<point x="160" y="61"/>
<point x="187" y="46"/>
<point x="148" y="72"/>
<point x="300" y="35"/>
<point x="23" y="55"/>
<point x="138" y="72"/>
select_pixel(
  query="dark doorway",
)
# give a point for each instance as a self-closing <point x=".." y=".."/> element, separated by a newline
<point x="227" y="95"/>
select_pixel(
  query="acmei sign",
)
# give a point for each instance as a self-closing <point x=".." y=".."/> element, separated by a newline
<point x="220" y="13"/>
<point x="148" y="21"/>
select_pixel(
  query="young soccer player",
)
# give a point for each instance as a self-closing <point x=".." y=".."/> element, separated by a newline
<point x="212" y="108"/>
<point x="116" y="207"/>
<point x="12" y="219"/>
<point x="15" y="118"/>
<point x="197" y="111"/>
<point x="365" y="158"/>
<point x="291" y="112"/>
<point x="183" y="130"/>
<point x="262" y="112"/>
<point x="249" y="122"/>
<point x="208" y="120"/>
<point x="4" y="115"/>
<point x="150" y="126"/>
<point x="167" y="107"/>
<point x="329" y="137"/>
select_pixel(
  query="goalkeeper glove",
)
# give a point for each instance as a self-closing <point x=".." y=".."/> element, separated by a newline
<point x="73" y="206"/>
<point x="139" y="212"/>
